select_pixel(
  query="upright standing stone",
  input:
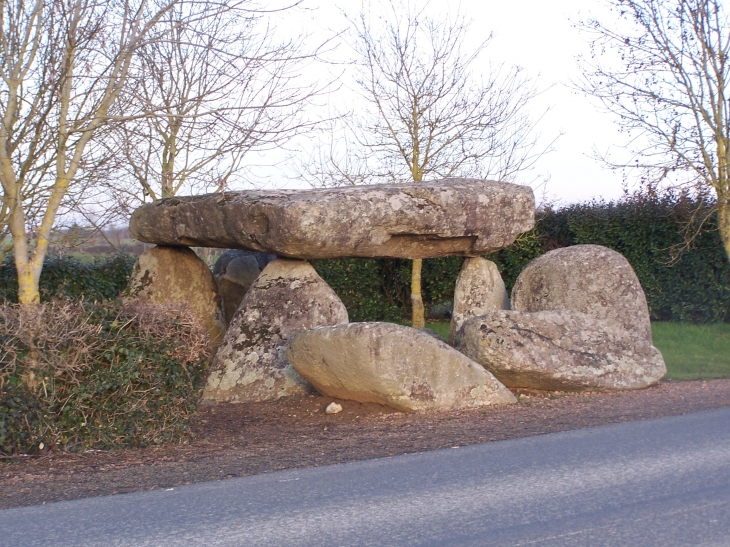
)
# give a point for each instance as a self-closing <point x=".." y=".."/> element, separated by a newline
<point x="168" y="275"/>
<point x="235" y="272"/>
<point x="479" y="289"/>
<point x="251" y="364"/>
<point x="586" y="278"/>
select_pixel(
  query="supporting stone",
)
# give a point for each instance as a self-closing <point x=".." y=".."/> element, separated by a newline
<point x="251" y="364"/>
<point x="479" y="289"/>
<point x="235" y="271"/>
<point x="170" y="275"/>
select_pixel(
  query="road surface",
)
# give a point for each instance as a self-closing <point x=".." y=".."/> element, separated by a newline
<point x="663" y="482"/>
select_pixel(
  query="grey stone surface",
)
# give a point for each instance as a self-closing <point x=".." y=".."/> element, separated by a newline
<point x="431" y="219"/>
<point x="479" y="289"/>
<point x="251" y="364"/>
<point x="559" y="350"/>
<point x="262" y="259"/>
<point x="587" y="278"/>
<point x="168" y="275"/>
<point x="441" y="311"/>
<point x="393" y="365"/>
<point x="235" y="271"/>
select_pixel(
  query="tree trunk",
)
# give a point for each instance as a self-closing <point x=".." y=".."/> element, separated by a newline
<point x="28" y="290"/>
<point x="418" y="320"/>
<point x="723" y="218"/>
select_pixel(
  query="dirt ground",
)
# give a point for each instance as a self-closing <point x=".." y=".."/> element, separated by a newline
<point x="235" y="440"/>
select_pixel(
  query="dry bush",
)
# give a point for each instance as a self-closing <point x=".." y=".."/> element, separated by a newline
<point x="79" y="375"/>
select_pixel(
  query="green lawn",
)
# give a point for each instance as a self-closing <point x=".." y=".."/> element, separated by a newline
<point x="694" y="351"/>
<point x="690" y="351"/>
<point x="442" y="328"/>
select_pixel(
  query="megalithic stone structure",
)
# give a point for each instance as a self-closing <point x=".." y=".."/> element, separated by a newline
<point x="452" y="217"/>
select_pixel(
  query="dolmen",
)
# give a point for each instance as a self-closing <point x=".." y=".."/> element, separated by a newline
<point x="454" y="217"/>
<point x="577" y="318"/>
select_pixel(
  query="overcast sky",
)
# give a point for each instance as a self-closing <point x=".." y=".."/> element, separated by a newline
<point x="538" y="36"/>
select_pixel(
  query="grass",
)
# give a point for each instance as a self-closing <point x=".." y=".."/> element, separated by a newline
<point x="441" y="327"/>
<point x="694" y="352"/>
<point x="691" y="352"/>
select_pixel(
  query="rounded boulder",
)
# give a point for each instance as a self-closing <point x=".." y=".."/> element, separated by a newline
<point x="559" y="350"/>
<point x="590" y="279"/>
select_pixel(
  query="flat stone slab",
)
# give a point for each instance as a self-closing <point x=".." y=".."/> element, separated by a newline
<point x="453" y="217"/>
<point x="393" y="365"/>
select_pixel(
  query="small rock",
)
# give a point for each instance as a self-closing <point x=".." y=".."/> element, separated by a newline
<point x="433" y="334"/>
<point x="440" y="311"/>
<point x="333" y="408"/>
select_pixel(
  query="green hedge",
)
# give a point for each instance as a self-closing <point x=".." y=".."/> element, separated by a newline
<point x="380" y="290"/>
<point x="67" y="277"/>
<point x="692" y="285"/>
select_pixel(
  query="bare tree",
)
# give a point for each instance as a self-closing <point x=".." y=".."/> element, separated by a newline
<point x="429" y="115"/>
<point x="662" y="68"/>
<point x="218" y="87"/>
<point x="63" y="65"/>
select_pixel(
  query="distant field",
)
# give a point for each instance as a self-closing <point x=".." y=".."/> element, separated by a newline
<point x="691" y="352"/>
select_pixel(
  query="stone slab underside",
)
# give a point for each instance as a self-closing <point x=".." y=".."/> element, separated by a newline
<point x="453" y="217"/>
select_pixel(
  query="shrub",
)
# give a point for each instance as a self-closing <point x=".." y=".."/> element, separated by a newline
<point x="76" y="376"/>
<point x="368" y="288"/>
<point x="68" y="277"/>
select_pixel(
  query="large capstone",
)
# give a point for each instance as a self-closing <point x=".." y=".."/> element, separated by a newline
<point x="443" y="218"/>
<point x="251" y="364"/>
<point x="173" y="275"/>
<point x="479" y="289"/>
<point x="586" y="278"/>
<point x="235" y="271"/>
<point x="393" y="365"/>
<point x="559" y="350"/>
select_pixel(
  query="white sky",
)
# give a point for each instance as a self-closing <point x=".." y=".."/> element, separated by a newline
<point x="536" y="35"/>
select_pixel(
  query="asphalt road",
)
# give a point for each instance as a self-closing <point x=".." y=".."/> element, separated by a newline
<point x="663" y="482"/>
